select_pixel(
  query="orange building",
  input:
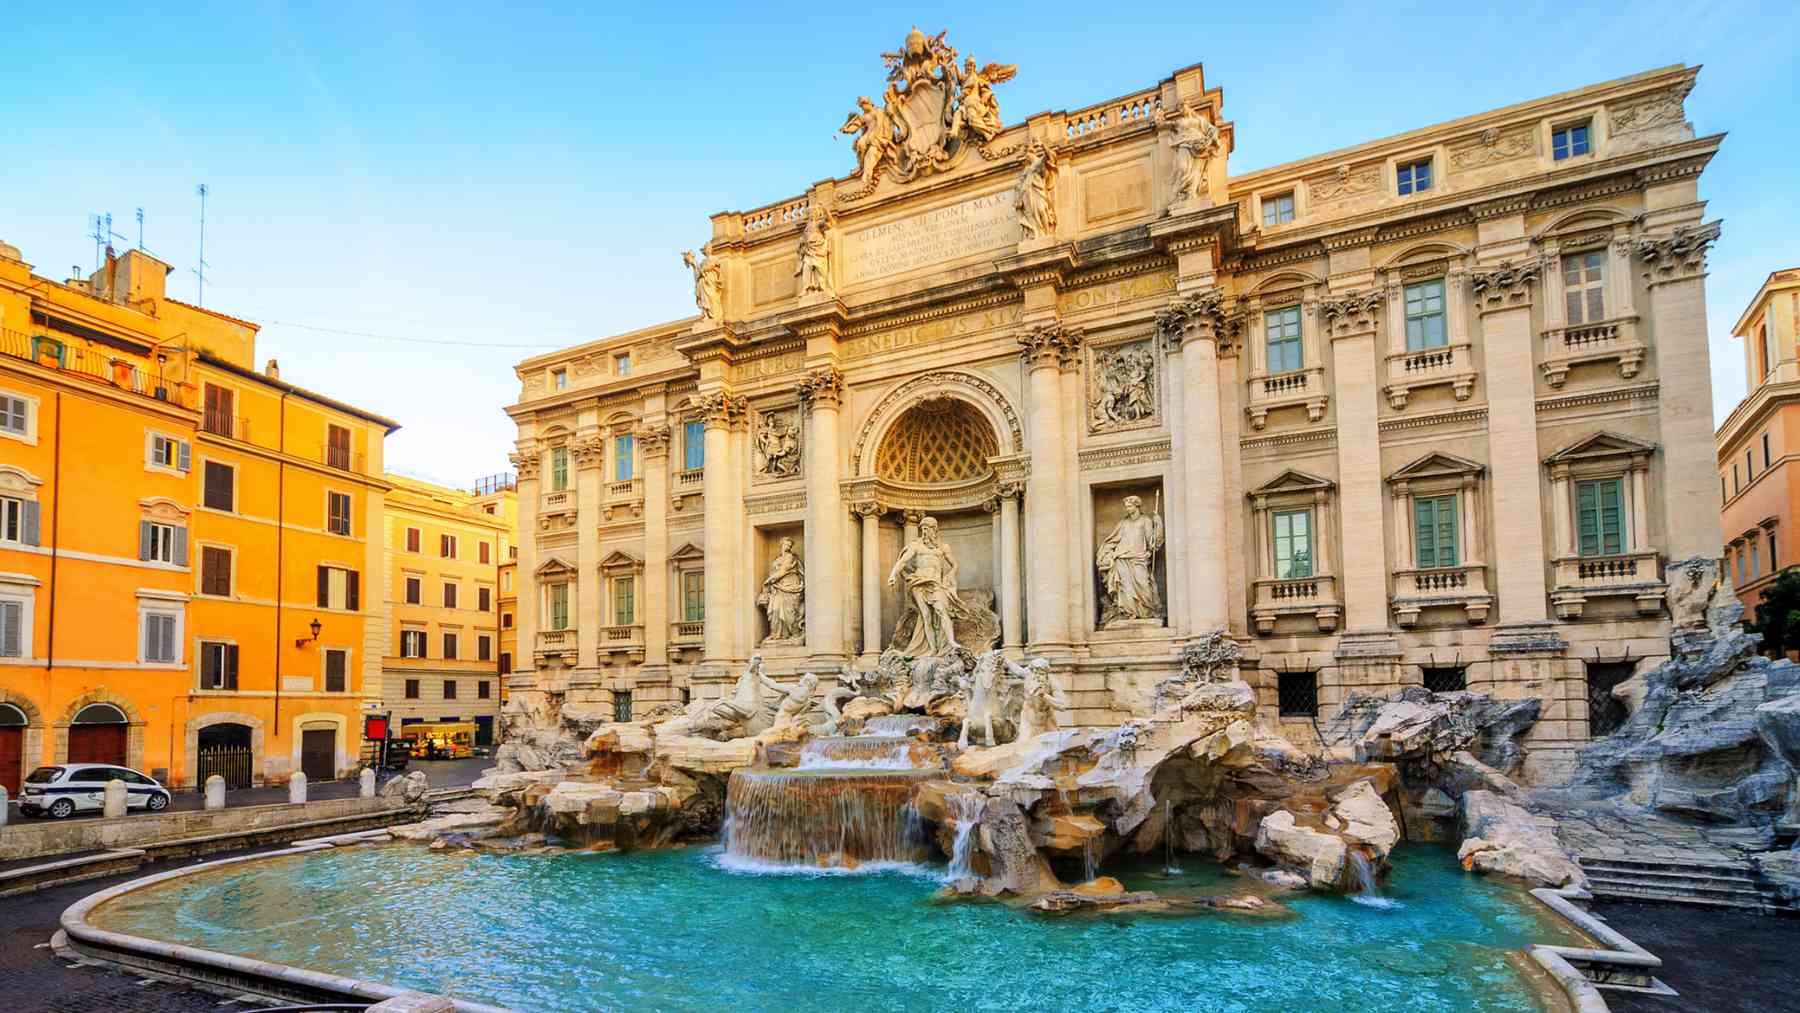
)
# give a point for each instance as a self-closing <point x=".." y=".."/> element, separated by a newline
<point x="1759" y="489"/>
<point x="182" y="539"/>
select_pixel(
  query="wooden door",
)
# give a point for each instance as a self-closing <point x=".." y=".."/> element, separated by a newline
<point x="12" y="752"/>
<point x="97" y="744"/>
<point x="318" y="754"/>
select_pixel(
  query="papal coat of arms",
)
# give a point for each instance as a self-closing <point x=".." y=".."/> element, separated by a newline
<point x="932" y="112"/>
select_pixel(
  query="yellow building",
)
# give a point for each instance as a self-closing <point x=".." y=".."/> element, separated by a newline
<point x="182" y="539"/>
<point x="1759" y="495"/>
<point x="445" y="548"/>
<point x="499" y="495"/>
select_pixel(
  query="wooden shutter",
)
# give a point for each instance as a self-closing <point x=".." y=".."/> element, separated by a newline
<point x="1612" y="518"/>
<point x="351" y="579"/>
<point x="12" y="620"/>
<point x="149" y="638"/>
<point x="324" y="587"/>
<point x="412" y="539"/>
<point x="218" y="486"/>
<point x="231" y="666"/>
<point x="1425" y="532"/>
<point x="146" y="535"/>
<point x="184" y="455"/>
<point x="29" y="522"/>
<point x="181" y="548"/>
<point x="1587" y="518"/>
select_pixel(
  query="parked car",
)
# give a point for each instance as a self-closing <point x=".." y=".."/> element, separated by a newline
<point x="63" y="791"/>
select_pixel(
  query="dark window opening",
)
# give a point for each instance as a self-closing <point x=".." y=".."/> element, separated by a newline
<point x="621" y="705"/>
<point x="1606" y="712"/>
<point x="1298" y="694"/>
<point x="1446" y="680"/>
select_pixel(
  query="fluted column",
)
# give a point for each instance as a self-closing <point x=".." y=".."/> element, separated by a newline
<point x="722" y="411"/>
<point x="588" y="452"/>
<point x="1192" y="324"/>
<point x="653" y="443"/>
<point x="1503" y="297"/>
<point x="1676" y="269"/>
<point x="1012" y="605"/>
<point x="1046" y="347"/>
<point x="826" y="586"/>
<point x="870" y="515"/>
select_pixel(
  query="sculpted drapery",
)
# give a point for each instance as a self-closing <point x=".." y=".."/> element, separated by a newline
<point x="929" y="570"/>
<point x="783" y="596"/>
<point x="1126" y="560"/>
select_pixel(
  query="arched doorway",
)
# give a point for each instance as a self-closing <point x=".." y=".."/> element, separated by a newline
<point x="224" y="749"/>
<point x="12" y="747"/>
<point x="97" y="735"/>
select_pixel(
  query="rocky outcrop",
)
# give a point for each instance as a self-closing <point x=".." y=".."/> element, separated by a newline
<point x="1318" y="846"/>
<point x="409" y="789"/>
<point x="1418" y="726"/>
<point x="1312" y="853"/>
<point x="1503" y="837"/>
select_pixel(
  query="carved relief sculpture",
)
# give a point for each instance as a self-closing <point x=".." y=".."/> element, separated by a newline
<point x="709" y="283"/>
<point x="814" y="268"/>
<point x="1035" y="194"/>
<point x="1127" y="567"/>
<point x="777" y="445"/>
<point x="1195" y="141"/>
<point x="783" y="597"/>
<point x="1124" y="388"/>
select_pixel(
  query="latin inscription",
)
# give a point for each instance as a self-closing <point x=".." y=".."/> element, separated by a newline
<point x="934" y="237"/>
<point x="774" y="365"/>
<point x="930" y="331"/>
<point x="1144" y="286"/>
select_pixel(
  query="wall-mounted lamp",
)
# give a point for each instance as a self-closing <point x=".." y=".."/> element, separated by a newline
<point x="303" y="641"/>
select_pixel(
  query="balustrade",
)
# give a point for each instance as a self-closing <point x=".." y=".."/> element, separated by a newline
<point x="1451" y="365"/>
<point x="1625" y="575"/>
<point x="1297" y="387"/>
<point x="1128" y="111"/>
<point x="1314" y="598"/>
<point x="1463" y="587"/>
<point x="1613" y="340"/>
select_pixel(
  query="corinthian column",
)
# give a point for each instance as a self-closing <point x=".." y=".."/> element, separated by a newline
<point x="653" y="441"/>
<point x="1352" y="320"/>
<point x="1012" y="608"/>
<point x="1046" y="348"/>
<point x="525" y="612"/>
<point x="1192" y="325"/>
<point x="822" y="390"/>
<point x="589" y="454"/>
<point x="722" y="410"/>
<point x="870" y="513"/>
<point x="1677" y="273"/>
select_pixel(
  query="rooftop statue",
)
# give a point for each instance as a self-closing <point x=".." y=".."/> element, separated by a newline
<point x="930" y="113"/>
<point x="1195" y="141"/>
<point x="709" y="283"/>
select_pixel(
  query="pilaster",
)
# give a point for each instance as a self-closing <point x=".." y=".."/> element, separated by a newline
<point x="822" y="391"/>
<point x="526" y="463"/>
<point x="1675" y="268"/>
<point x="652" y="440"/>
<point x="723" y="412"/>
<point x="587" y="453"/>
<point x="1352" y="320"/>
<point x="1047" y="348"/>
<point x="1193" y="324"/>
<point x="1503" y="299"/>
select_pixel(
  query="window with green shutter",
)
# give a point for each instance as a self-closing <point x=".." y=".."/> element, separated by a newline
<point x="1293" y="543"/>
<point x="1281" y="329"/>
<point x="1425" y="321"/>
<point x="1434" y="531"/>
<point x="559" y="606"/>
<point x="559" y="469"/>
<point x="1600" y="517"/>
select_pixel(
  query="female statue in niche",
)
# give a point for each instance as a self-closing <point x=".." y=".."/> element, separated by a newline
<point x="783" y="597"/>
<point x="1126" y="559"/>
<point x="930" y="573"/>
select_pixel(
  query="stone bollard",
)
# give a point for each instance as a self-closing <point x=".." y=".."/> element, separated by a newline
<point x="296" y="788"/>
<point x="366" y="783"/>
<point x="215" y="792"/>
<point x="3" y="806"/>
<point x="115" y="799"/>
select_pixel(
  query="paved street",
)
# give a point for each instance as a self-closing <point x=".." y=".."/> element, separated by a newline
<point x="1720" y="961"/>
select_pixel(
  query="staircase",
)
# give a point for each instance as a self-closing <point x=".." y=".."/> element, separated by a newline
<point x="1704" y="882"/>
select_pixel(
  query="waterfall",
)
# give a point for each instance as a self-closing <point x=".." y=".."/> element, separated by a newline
<point x="1366" y="890"/>
<point x="862" y="752"/>
<point x="899" y="724"/>
<point x="969" y="809"/>
<point x="1169" y="866"/>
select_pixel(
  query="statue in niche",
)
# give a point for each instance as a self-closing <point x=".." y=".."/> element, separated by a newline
<point x="877" y="137"/>
<point x="1127" y="563"/>
<point x="783" y="597"/>
<point x="777" y="446"/>
<point x="929" y="569"/>
<point x="1034" y="196"/>
<point x="1125" y="387"/>
<point x="977" y="109"/>
<point x="814" y="269"/>
<point x="709" y="283"/>
<point x="1195" y="140"/>
<point x="1043" y="698"/>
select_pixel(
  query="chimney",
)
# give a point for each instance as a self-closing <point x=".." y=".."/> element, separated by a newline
<point x="272" y="370"/>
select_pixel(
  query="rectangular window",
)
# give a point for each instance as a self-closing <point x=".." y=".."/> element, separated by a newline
<point x="337" y="508"/>
<point x="12" y="629"/>
<point x="1737" y="481"/>
<point x="505" y="662"/>
<point x="1281" y="328"/>
<point x="412" y="643"/>
<point x="449" y="596"/>
<point x="18" y="520"/>
<point x="412" y="691"/>
<point x="1600" y="516"/>
<point x="484" y="690"/>
<point x="14" y="413"/>
<point x="1768" y="349"/>
<point x="449" y="647"/>
<point x="693" y="596"/>
<point x="1434" y="531"/>
<point x="506" y="620"/>
<point x="447" y="546"/>
<point x="168" y="453"/>
<point x="693" y="445"/>
<point x="624" y="453"/>
<point x="1749" y="466"/>
<point x="559" y="469"/>
<point x="218" y="665"/>
<point x="1278" y="209"/>
<point x="1773" y="564"/>
<point x="1768" y="458"/>
<point x="622" y="364"/>
<point x="1584" y="287"/>
<point x="484" y="648"/>
<point x="337" y="447"/>
<point x="1445" y="680"/>
<point x="1297" y="694"/>
<point x="215" y="571"/>
<point x="484" y="552"/>
<point x="1425" y="326"/>
<point x="559" y="379"/>
<point x="484" y="599"/>
<point x="559" y="606"/>
<point x="1755" y="559"/>
<point x="412" y="539"/>
<point x="220" y="412"/>
<point x="162" y="543"/>
<point x="449" y="689"/>
<point x="1739" y="556"/>
<point x="159" y="637"/>
<point x="414" y="590"/>
<point x="339" y="588"/>
<point x="218" y="494"/>
<point x="1569" y="141"/>
<point x="1413" y="177"/>
<point x="506" y="581"/>
<point x="621" y="705"/>
<point x="624" y="601"/>
<point x="1293" y="543"/>
<point x="335" y="664"/>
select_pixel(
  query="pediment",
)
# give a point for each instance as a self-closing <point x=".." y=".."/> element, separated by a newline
<point x="619" y="559"/>
<point x="687" y="551"/>
<point x="18" y="481"/>
<point x="1292" y="480"/>
<point x="162" y="508"/>
<point x="1437" y="465"/>
<point x="1601" y="445"/>
<point x="555" y="565"/>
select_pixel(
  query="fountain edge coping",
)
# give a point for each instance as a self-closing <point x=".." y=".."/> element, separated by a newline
<point x="242" y="973"/>
<point x="1558" y="961"/>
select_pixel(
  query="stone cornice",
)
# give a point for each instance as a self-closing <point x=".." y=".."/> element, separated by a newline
<point x="1640" y="392"/>
<point x="1327" y="435"/>
<point x="1125" y="454"/>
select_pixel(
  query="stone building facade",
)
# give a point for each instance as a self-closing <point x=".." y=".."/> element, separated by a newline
<point x="1430" y="409"/>
<point x="1758" y="492"/>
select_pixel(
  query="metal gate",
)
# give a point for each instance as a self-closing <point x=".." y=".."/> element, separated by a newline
<point x="230" y="763"/>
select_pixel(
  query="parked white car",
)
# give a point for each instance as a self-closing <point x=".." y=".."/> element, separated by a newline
<point x="63" y="791"/>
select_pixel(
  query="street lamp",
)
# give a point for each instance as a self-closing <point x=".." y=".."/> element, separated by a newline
<point x="316" y="627"/>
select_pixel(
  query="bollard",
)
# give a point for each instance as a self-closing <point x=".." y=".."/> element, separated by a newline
<point x="367" y="786"/>
<point x="296" y="788"/>
<point x="215" y="792"/>
<point x="115" y="799"/>
<point x="3" y="806"/>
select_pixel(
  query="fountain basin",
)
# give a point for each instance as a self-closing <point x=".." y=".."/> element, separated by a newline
<point x="868" y="752"/>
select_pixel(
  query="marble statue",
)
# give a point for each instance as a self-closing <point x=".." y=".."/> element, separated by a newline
<point x="777" y="447"/>
<point x="929" y="569"/>
<point x="1043" y="698"/>
<point x="744" y="712"/>
<point x="988" y="693"/>
<point x="1125" y="387"/>
<point x="814" y="269"/>
<point x="977" y="110"/>
<point x="1126" y="560"/>
<point x="1195" y="140"/>
<point x="1034" y="196"/>
<point x="793" y="705"/>
<point x="783" y="597"/>
<point x="709" y="284"/>
<point x="876" y="144"/>
<point x="932" y="110"/>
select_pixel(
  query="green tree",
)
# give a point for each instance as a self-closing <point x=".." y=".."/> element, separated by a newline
<point x="1778" y="615"/>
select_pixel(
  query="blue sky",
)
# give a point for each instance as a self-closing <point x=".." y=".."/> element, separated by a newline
<point x="525" y="175"/>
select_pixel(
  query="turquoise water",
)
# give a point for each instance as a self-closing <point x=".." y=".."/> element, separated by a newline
<point x="671" y="930"/>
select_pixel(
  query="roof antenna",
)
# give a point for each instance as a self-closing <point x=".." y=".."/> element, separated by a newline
<point x="200" y="271"/>
<point x="140" y="218"/>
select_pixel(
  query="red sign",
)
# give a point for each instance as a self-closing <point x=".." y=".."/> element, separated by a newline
<point x="375" y="729"/>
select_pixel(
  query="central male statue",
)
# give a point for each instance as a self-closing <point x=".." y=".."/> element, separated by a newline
<point x="930" y="572"/>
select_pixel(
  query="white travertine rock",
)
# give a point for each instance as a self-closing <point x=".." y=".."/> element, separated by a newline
<point x="409" y="789"/>
<point x="1366" y="818"/>
<point x="1317" y="855"/>
<point x="1500" y="836"/>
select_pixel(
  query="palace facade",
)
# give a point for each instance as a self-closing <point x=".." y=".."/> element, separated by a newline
<point x="1431" y="410"/>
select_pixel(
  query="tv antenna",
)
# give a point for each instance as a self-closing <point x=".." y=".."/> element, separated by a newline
<point x="140" y="218"/>
<point x="102" y="235"/>
<point x="200" y="271"/>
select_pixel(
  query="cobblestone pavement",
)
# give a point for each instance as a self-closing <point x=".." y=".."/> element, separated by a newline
<point x="1607" y="830"/>
<point x="1720" y="961"/>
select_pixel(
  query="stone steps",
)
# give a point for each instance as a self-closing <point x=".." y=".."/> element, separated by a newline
<point x="1703" y="882"/>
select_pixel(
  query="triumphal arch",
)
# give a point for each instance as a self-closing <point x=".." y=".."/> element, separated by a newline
<point x="1432" y="409"/>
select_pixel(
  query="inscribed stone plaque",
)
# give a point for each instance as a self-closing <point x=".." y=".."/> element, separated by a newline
<point x="946" y="234"/>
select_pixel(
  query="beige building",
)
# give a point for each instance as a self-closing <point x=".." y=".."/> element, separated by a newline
<point x="1430" y="409"/>
<point x="444" y="549"/>
<point x="1758" y="494"/>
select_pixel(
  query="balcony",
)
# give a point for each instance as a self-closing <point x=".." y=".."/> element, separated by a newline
<point x="621" y="643"/>
<point x="1607" y="341"/>
<point x="1450" y="365"/>
<point x="691" y="633"/>
<point x="561" y="501"/>
<point x="624" y="498"/>
<point x="1635" y="575"/>
<point x="93" y="364"/>
<point x="1301" y="387"/>
<point x="342" y="459"/>
<point x="235" y="427"/>
<point x="1463" y="587"/>
<point x="1314" y="600"/>
<point x="556" y="644"/>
